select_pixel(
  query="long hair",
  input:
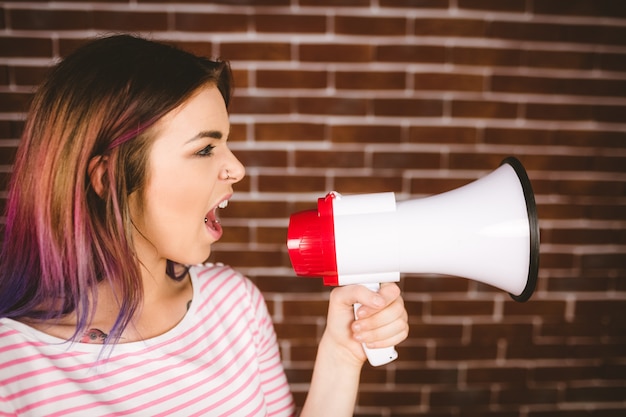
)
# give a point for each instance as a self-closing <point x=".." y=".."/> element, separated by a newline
<point x="61" y="237"/>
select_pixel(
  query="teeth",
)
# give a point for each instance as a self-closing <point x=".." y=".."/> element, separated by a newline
<point x="223" y="204"/>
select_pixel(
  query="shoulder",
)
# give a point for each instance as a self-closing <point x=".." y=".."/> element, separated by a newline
<point x="219" y="282"/>
<point x="214" y="276"/>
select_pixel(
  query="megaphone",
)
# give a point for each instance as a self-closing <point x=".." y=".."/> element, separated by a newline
<point x="486" y="231"/>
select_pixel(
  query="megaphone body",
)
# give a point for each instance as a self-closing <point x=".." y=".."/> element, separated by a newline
<point x="485" y="231"/>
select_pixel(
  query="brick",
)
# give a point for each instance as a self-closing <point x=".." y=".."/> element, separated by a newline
<point x="390" y="397"/>
<point x="291" y="184"/>
<point x="334" y="3"/>
<point x="433" y="284"/>
<point x="406" y="160"/>
<point x="287" y="285"/>
<point x="270" y="235"/>
<point x="258" y="51"/>
<point x="612" y="62"/>
<point x="466" y="397"/>
<point x="294" y="310"/>
<point x="366" y="134"/>
<point x="378" y="183"/>
<point x="571" y="373"/>
<point x="599" y="309"/>
<point x="290" y="23"/>
<point x="439" y="332"/>
<point x="353" y="80"/>
<point x="600" y="412"/>
<point x="260" y="105"/>
<point x="466" y="308"/>
<point x="410" y="53"/>
<point x="493" y="5"/>
<point x="29" y="76"/>
<point x="443" y="134"/>
<point x="324" y="159"/>
<point x="407" y="107"/>
<point x="571" y="112"/>
<point x="595" y="393"/>
<point x="484" y="109"/>
<point x="299" y="331"/>
<point x="450" y="27"/>
<point x="448" y="82"/>
<point x="130" y="21"/>
<point x="227" y="2"/>
<point x="561" y="59"/>
<point x="336" y="106"/>
<point x="335" y="53"/>
<point x="210" y="22"/>
<point x="196" y="47"/>
<point x="14" y="102"/>
<point x="25" y="47"/>
<point x="427" y="4"/>
<point x="243" y="259"/>
<point x="584" y="34"/>
<point x="11" y="129"/>
<point x="291" y="79"/>
<point x="514" y="333"/>
<point x="31" y="19"/>
<point x="432" y="186"/>
<point x="565" y="86"/>
<point x="496" y="57"/>
<point x="415" y="310"/>
<point x="546" y="309"/>
<point x="265" y="158"/>
<point x="592" y="138"/>
<point x="585" y="283"/>
<point x="257" y="209"/>
<point x="289" y="132"/>
<point x="529" y="396"/>
<point x="370" y="26"/>
<point x="503" y="374"/>
<point x="587" y="236"/>
<point x="607" y="8"/>
<point x="481" y="161"/>
<point x="438" y="376"/>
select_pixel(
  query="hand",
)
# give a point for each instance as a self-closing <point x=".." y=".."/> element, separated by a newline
<point x="382" y="320"/>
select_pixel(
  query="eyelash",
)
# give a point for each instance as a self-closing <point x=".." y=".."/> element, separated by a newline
<point x="206" y="151"/>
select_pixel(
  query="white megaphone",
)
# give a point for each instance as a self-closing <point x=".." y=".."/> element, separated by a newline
<point x="487" y="231"/>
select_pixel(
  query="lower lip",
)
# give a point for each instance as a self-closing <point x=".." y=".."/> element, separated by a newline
<point x="215" y="230"/>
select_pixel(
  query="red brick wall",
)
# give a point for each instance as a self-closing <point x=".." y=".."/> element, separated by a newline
<point x="417" y="97"/>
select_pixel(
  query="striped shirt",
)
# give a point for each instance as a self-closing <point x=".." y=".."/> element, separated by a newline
<point x="222" y="359"/>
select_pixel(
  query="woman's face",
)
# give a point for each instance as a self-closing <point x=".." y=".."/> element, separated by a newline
<point x="190" y="174"/>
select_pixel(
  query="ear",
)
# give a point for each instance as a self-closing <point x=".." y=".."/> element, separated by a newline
<point x="97" y="170"/>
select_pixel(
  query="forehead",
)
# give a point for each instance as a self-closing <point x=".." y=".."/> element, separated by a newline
<point x="204" y="110"/>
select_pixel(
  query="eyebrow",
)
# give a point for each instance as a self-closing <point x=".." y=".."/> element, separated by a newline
<point x="214" y="134"/>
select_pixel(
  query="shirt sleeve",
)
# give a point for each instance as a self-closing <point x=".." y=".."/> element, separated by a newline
<point x="273" y="379"/>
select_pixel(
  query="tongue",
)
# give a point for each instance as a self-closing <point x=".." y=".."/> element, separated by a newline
<point x="212" y="220"/>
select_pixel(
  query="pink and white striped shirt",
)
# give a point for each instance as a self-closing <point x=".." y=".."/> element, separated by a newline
<point x="222" y="359"/>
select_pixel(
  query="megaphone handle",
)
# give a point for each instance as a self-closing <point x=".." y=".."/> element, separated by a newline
<point x="381" y="356"/>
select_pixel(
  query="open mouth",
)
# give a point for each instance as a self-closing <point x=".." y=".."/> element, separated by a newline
<point x="212" y="220"/>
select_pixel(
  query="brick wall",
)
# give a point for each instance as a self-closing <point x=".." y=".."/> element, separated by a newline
<point x="417" y="97"/>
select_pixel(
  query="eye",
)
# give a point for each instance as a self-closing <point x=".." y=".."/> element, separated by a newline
<point x="206" y="151"/>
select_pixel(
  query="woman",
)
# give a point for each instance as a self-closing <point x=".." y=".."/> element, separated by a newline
<point x="106" y="305"/>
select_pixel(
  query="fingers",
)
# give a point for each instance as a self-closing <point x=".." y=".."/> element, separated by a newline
<point x="381" y="321"/>
<point x="383" y="328"/>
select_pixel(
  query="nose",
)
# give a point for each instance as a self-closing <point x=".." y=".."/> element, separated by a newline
<point x="234" y="171"/>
